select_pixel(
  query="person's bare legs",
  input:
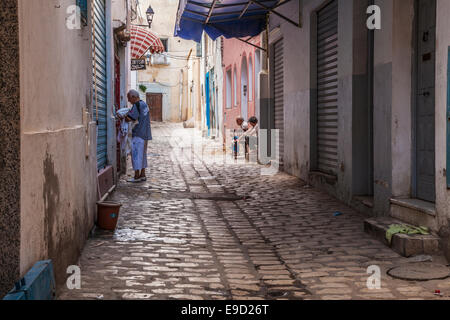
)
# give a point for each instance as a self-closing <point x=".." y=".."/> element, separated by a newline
<point x="142" y="174"/>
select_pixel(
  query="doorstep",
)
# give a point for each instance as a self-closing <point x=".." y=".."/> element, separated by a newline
<point x="363" y="204"/>
<point x="415" y="212"/>
<point x="403" y="244"/>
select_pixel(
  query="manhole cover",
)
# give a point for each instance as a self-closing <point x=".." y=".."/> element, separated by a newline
<point x="420" y="271"/>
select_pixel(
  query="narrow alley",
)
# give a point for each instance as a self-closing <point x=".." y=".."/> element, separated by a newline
<point x="257" y="150"/>
<point x="184" y="234"/>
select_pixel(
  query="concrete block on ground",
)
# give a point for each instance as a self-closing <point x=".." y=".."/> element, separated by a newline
<point x="403" y="244"/>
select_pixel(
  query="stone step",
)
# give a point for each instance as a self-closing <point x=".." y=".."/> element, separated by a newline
<point x="415" y="212"/>
<point x="403" y="244"/>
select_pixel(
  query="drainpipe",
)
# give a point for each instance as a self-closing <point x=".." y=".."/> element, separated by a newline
<point x="181" y="94"/>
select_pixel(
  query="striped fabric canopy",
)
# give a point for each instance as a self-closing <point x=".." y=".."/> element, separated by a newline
<point x="143" y="40"/>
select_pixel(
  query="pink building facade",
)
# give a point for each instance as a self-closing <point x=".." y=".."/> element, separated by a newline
<point x="241" y="64"/>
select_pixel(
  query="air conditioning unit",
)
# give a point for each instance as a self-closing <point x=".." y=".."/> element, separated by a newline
<point x="160" y="59"/>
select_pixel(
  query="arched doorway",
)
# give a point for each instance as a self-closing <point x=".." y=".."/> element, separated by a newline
<point x="244" y="88"/>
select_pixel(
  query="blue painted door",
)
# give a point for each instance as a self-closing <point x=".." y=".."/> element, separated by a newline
<point x="99" y="81"/>
<point x="208" y="104"/>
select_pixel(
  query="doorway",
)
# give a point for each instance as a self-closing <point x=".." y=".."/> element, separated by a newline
<point x="424" y="109"/>
<point x="154" y="102"/>
<point x="208" y="104"/>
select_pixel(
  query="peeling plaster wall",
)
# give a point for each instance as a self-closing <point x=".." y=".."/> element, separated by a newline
<point x="442" y="47"/>
<point x="393" y="103"/>
<point x="297" y="86"/>
<point x="9" y="146"/>
<point x="59" y="183"/>
<point x="382" y="110"/>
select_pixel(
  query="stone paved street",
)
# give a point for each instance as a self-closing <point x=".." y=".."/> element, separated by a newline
<point x="283" y="242"/>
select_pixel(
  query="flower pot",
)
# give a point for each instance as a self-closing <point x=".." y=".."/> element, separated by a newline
<point x="108" y="215"/>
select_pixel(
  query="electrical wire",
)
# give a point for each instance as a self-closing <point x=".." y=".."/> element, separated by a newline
<point x="182" y="57"/>
<point x="162" y="84"/>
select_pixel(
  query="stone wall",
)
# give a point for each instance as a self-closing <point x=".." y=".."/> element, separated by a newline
<point x="9" y="146"/>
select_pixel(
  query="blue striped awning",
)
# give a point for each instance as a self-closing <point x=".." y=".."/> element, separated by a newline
<point x="228" y="18"/>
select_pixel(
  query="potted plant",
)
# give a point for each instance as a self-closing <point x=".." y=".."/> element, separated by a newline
<point x="143" y="88"/>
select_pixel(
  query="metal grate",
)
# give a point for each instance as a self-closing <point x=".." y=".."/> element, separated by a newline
<point x="327" y="88"/>
<point x="99" y="80"/>
<point x="279" y="94"/>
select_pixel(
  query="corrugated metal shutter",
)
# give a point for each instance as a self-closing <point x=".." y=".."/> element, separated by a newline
<point x="99" y="73"/>
<point x="327" y="88"/>
<point x="278" y="80"/>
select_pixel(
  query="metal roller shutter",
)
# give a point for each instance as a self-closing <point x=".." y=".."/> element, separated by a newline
<point x="279" y="93"/>
<point x="327" y="88"/>
<point x="99" y="80"/>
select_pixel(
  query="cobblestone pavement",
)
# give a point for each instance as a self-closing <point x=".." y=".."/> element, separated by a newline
<point x="281" y="243"/>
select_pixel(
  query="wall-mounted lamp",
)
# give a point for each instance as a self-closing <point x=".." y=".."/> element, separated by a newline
<point x="150" y="13"/>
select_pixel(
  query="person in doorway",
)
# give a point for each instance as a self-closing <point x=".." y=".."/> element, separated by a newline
<point x="141" y="134"/>
<point x="251" y="137"/>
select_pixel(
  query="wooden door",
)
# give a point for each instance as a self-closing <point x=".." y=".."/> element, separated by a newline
<point x="154" y="102"/>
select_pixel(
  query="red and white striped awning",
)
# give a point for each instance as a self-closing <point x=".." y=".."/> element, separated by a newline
<point x="143" y="40"/>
